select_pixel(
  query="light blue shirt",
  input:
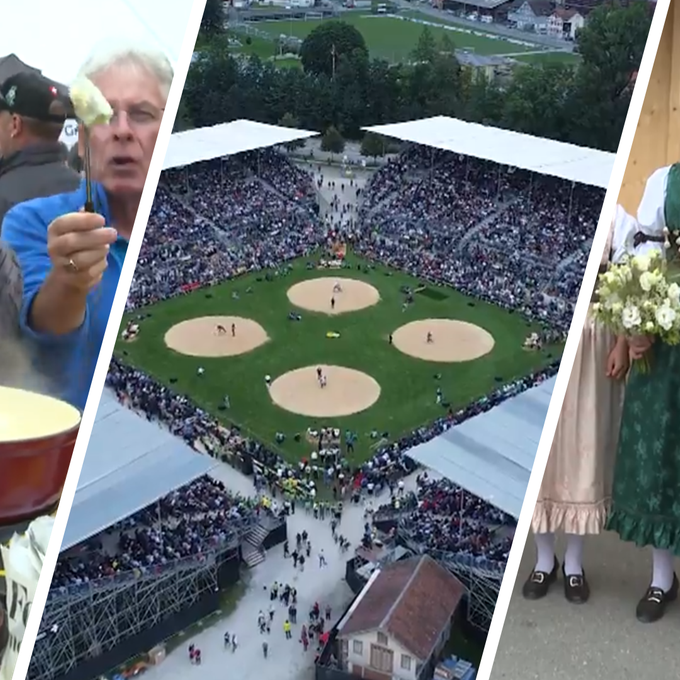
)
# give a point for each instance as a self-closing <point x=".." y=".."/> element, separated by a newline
<point x="68" y="361"/>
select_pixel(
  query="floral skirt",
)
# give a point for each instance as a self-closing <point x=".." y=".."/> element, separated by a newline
<point x="646" y="496"/>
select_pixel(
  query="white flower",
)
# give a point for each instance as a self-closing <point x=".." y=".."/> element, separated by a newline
<point x="673" y="293"/>
<point x="641" y="262"/>
<point x="649" y="327"/>
<point x="647" y="281"/>
<point x="665" y="317"/>
<point x="89" y="103"/>
<point x="611" y="300"/>
<point x="630" y="317"/>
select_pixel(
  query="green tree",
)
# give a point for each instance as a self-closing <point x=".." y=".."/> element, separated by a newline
<point x="288" y="120"/>
<point x="535" y="100"/>
<point x="611" y="47"/>
<point x="446" y="44"/>
<point x="372" y="145"/>
<point x="426" y="47"/>
<point x="182" y="119"/>
<point x="324" y="46"/>
<point x="583" y="103"/>
<point x="332" y="141"/>
<point x="214" y="20"/>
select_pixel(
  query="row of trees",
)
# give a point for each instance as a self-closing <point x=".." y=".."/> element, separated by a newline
<point x="341" y="86"/>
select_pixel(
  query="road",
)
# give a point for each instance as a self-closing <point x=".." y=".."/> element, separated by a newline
<point x="497" y="29"/>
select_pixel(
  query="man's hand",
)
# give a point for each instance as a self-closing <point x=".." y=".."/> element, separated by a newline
<point x="78" y="245"/>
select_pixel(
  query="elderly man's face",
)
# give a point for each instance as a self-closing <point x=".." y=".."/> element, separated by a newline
<point x="122" y="150"/>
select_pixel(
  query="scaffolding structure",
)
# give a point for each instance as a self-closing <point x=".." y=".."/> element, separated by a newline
<point x="482" y="585"/>
<point x="482" y="588"/>
<point x="95" y="618"/>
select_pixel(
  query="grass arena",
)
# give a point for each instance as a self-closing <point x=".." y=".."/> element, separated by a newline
<point x="249" y="352"/>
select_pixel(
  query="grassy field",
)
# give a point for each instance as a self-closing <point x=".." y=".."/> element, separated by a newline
<point x="394" y="39"/>
<point x="408" y="385"/>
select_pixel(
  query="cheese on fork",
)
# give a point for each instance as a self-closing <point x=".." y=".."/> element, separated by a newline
<point x="89" y="103"/>
<point x="26" y="416"/>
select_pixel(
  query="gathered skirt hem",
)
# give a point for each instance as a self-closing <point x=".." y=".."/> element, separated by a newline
<point x="582" y="519"/>
<point x="644" y="530"/>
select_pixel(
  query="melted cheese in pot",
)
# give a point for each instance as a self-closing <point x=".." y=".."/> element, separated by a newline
<point x="27" y="415"/>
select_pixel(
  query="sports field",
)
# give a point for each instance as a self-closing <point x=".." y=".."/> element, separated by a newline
<point x="395" y="391"/>
<point x="394" y="39"/>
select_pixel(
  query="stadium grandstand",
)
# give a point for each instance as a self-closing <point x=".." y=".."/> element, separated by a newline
<point x="490" y="220"/>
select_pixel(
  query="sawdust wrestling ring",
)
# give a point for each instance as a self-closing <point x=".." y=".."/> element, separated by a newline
<point x="347" y="391"/>
<point x="452" y="341"/>
<point x="199" y="337"/>
<point x="315" y="295"/>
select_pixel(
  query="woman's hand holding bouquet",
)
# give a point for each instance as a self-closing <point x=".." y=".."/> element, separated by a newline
<point x="638" y="299"/>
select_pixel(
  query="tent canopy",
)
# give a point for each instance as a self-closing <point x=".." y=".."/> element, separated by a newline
<point x="543" y="156"/>
<point x="130" y="464"/>
<point x="66" y="33"/>
<point x="491" y="455"/>
<point x="226" y="139"/>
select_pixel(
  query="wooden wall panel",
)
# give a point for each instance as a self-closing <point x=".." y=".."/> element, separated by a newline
<point x="657" y="138"/>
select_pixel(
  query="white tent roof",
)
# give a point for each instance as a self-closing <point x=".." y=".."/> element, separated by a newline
<point x="57" y="37"/>
<point x="491" y="455"/>
<point x="130" y="463"/>
<point x="226" y="139"/>
<point x="544" y="156"/>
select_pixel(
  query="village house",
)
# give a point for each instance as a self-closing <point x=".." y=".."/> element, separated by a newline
<point x="531" y="15"/>
<point x="400" y="621"/>
<point x="563" y="23"/>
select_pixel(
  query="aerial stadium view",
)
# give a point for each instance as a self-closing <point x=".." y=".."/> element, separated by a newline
<point x="331" y="377"/>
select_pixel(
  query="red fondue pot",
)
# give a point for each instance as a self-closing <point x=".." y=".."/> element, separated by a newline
<point x="37" y="435"/>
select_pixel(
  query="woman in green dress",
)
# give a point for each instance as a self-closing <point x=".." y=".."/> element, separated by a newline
<point x="646" y="495"/>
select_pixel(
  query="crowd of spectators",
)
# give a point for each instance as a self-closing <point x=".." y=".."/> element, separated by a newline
<point x="224" y="218"/>
<point x="190" y="522"/>
<point x="505" y="236"/>
<point x="452" y="524"/>
<point x="511" y="237"/>
<point x="197" y="428"/>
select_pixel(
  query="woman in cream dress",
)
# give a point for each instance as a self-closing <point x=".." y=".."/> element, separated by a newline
<point x="576" y="490"/>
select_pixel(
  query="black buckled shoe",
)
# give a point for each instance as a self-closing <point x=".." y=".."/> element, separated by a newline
<point x="539" y="582"/>
<point x="653" y="605"/>
<point x="576" y="588"/>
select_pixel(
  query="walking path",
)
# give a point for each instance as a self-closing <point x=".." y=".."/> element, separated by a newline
<point x="286" y="659"/>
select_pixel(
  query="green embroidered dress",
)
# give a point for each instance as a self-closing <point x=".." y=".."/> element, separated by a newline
<point x="646" y="494"/>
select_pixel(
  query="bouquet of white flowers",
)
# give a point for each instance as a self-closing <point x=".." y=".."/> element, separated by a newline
<point x="639" y="297"/>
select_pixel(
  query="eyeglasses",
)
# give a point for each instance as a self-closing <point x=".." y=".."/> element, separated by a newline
<point x="138" y="116"/>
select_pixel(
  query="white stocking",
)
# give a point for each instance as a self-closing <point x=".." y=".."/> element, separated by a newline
<point x="662" y="569"/>
<point x="573" y="557"/>
<point x="545" y="552"/>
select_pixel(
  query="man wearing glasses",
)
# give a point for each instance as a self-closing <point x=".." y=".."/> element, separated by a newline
<point x="71" y="260"/>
